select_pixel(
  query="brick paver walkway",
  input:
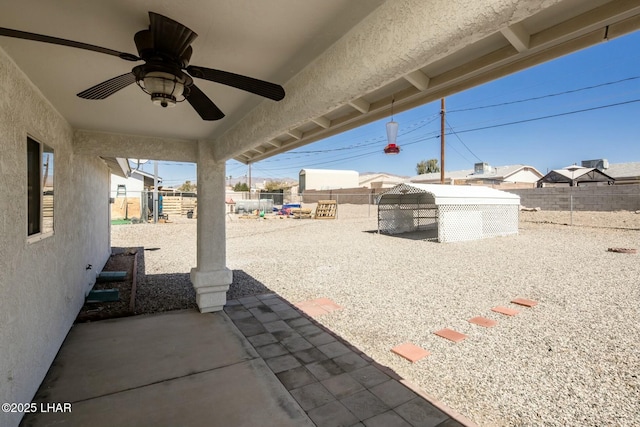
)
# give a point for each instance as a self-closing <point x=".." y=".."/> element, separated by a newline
<point x="335" y="383"/>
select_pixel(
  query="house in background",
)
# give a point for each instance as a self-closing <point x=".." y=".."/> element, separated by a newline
<point x="622" y="173"/>
<point x="137" y="181"/>
<point x="593" y="172"/>
<point x="327" y="179"/>
<point x="129" y="194"/>
<point x="504" y="177"/>
<point x="574" y="176"/>
<point x="380" y="180"/>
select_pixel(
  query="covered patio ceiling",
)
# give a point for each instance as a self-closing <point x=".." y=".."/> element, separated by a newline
<point x="341" y="62"/>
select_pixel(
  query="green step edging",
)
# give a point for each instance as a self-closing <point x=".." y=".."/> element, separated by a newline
<point x="111" y="276"/>
<point x="103" y="295"/>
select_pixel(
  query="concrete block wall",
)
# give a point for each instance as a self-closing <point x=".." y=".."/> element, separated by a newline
<point x="356" y="196"/>
<point x="590" y="198"/>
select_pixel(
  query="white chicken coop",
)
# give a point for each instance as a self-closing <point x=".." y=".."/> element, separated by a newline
<point x="448" y="213"/>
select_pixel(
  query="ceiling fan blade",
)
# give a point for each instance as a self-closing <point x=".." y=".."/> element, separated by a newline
<point x="203" y="105"/>
<point x="170" y="36"/>
<point x="259" y="87"/>
<point x="64" y="42"/>
<point x="109" y="87"/>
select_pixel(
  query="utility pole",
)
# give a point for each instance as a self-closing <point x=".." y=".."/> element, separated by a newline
<point x="45" y="174"/>
<point x="442" y="121"/>
<point x="250" y="180"/>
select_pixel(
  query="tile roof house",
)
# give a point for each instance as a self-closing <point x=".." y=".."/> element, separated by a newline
<point x="598" y="170"/>
<point x="380" y="180"/>
<point x="573" y="176"/>
<point x="511" y="176"/>
<point x="623" y="173"/>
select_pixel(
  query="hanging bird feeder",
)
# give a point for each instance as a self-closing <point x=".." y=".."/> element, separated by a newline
<point x="392" y="134"/>
<point x="391" y="149"/>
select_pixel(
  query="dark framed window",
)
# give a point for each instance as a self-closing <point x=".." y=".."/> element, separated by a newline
<point x="39" y="188"/>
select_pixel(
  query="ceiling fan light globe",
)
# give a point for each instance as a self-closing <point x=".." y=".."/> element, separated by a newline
<point x="165" y="88"/>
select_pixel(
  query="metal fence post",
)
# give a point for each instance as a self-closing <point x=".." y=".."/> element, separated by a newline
<point x="571" y="209"/>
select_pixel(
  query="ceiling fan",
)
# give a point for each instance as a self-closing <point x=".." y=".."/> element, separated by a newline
<point x="166" y="74"/>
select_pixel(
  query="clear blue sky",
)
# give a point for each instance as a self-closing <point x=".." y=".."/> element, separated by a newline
<point x="482" y="123"/>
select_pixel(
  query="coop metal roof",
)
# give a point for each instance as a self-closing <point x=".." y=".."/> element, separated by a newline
<point x="439" y="194"/>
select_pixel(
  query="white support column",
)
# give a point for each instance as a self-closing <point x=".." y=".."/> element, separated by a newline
<point x="211" y="278"/>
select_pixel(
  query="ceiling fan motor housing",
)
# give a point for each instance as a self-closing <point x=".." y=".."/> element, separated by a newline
<point x="149" y="51"/>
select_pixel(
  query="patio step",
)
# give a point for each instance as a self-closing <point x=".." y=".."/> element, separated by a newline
<point x="111" y="276"/>
<point x="103" y="295"/>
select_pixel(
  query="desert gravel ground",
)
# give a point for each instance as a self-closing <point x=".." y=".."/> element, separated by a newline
<point x="572" y="360"/>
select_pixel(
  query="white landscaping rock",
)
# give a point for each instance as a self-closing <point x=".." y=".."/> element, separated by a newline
<point x="573" y="359"/>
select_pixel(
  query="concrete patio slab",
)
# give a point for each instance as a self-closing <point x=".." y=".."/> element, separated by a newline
<point x="180" y="368"/>
<point x="100" y="358"/>
<point x="219" y="397"/>
<point x="232" y="368"/>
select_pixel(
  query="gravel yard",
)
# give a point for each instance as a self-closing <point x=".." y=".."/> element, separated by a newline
<point x="573" y="359"/>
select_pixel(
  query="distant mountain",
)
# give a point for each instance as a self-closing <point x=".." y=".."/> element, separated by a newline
<point x="385" y="173"/>
<point x="258" y="179"/>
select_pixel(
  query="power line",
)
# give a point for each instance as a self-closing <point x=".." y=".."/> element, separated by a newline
<point x="413" y="128"/>
<point x="234" y="168"/>
<point x="545" y="96"/>
<point x="550" y="116"/>
<point x="461" y="142"/>
<point x="299" y="154"/>
<point x="477" y="129"/>
<point x="426" y="122"/>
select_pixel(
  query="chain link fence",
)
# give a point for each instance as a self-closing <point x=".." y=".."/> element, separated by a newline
<point x="606" y="207"/>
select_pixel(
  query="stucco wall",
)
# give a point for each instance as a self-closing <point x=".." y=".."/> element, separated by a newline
<point x="42" y="284"/>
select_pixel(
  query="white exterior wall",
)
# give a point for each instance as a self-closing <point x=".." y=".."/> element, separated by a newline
<point x="523" y="176"/>
<point x="326" y="179"/>
<point x="43" y="284"/>
<point x="134" y="184"/>
<point x="380" y="181"/>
